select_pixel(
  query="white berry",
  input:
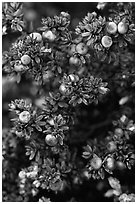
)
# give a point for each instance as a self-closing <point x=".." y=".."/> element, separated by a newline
<point x="49" y="35"/>
<point x="51" y="140"/>
<point x="72" y="49"/>
<point x="62" y="89"/>
<point x="122" y="27"/>
<point x="111" y="27"/>
<point x="96" y="162"/>
<point x="74" y="61"/>
<point x="18" y="67"/>
<point x="24" y="117"/>
<point x="36" y="36"/>
<point x="81" y="48"/>
<point x="25" y="59"/>
<point x="106" y="41"/>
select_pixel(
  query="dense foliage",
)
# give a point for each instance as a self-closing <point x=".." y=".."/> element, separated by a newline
<point x="69" y="94"/>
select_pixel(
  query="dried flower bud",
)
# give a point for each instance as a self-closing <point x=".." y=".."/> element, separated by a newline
<point x="106" y="41"/>
<point x="25" y="59"/>
<point x="24" y="117"/>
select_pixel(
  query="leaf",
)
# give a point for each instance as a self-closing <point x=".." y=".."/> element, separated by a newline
<point x="114" y="183"/>
<point x="38" y="128"/>
<point x="19" y="28"/>
<point x="32" y="155"/>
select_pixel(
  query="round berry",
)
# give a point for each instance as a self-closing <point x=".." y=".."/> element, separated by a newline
<point x="56" y="185"/>
<point x="49" y="35"/>
<point x="25" y="59"/>
<point x="111" y="27"/>
<point x="74" y="61"/>
<point x="72" y="49"/>
<point x="24" y="117"/>
<point x="81" y="48"/>
<point x="96" y="162"/>
<point x="73" y="78"/>
<point x="119" y="132"/>
<point x="36" y="36"/>
<point x="111" y="146"/>
<point x="77" y="40"/>
<point x="106" y="41"/>
<point x="50" y="140"/>
<point x="120" y="165"/>
<point x="110" y="163"/>
<point x="122" y="27"/>
<point x="18" y="67"/>
<point x="62" y="89"/>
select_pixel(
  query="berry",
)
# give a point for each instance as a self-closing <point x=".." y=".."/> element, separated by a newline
<point x="122" y="27"/>
<point x="72" y="49"/>
<point x="111" y="27"/>
<point x="49" y="35"/>
<point x="73" y="78"/>
<point x="110" y="163"/>
<point x="36" y="36"/>
<point x="119" y="132"/>
<point x="74" y="61"/>
<point x="51" y="140"/>
<point x="111" y="146"/>
<point x="77" y="40"/>
<point x="120" y="165"/>
<point x="22" y="174"/>
<point x="25" y="59"/>
<point x="106" y="41"/>
<point x="96" y="162"/>
<point x="62" y="89"/>
<point x="18" y="67"/>
<point x="24" y="117"/>
<point x="81" y="48"/>
<point x="56" y="185"/>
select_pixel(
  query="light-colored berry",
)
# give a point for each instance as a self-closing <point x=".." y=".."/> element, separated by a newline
<point x="111" y="27"/>
<point x="71" y="49"/>
<point x="120" y="165"/>
<point x="73" y="77"/>
<point x="106" y="41"/>
<point x="56" y="186"/>
<point x="74" y="61"/>
<point x="19" y="67"/>
<point x="50" y="140"/>
<point x="110" y="163"/>
<point x="119" y="132"/>
<point x="36" y="36"/>
<point x="81" y="48"/>
<point x="25" y="59"/>
<point x="122" y="27"/>
<point x="111" y="146"/>
<point x="62" y="89"/>
<point x="49" y="35"/>
<point x="77" y="40"/>
<point x="24" y="117"/>
<point x="96" y="162"/>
